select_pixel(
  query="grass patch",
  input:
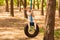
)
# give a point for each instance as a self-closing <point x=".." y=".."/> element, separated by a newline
<point x="57" y="34"/>
<point x="41" y="30"/>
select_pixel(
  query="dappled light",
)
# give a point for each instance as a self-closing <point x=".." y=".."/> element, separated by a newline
<point x="19" y="18"/>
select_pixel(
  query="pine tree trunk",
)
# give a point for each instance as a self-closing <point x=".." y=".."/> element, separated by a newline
<point x="17" y="3"/>
<point x="12" y="9"/>
<point x="7" y="7"/>
<point x="42" y="10"/>
<point x="20" y="5"/>
<point x="34" y="4"/>
<point x="38" y="4"/>
<point x="21" y="2"/>
<point x="59" y="7"/>
<point x="50" y="20"/>
<point x="25" y="11"/>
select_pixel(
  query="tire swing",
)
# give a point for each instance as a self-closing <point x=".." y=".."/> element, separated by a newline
<point x="32" y="31"/>
<point x="36" y="31"/>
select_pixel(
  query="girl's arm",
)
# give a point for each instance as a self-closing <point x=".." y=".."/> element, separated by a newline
<point x="32" y="14"/>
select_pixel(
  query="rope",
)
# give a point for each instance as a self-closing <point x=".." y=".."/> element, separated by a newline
<point x="30" y="4"/>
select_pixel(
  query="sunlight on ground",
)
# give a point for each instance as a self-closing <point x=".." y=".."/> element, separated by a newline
<point x="13" y="27"/>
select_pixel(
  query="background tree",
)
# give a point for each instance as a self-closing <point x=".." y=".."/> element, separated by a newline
<point x="42" y="5"/>
<point x="17" y="3"/>
<point x="12" y="9"/>
<point x="21" y="2"/>
<point x="50" y="20"/>
<point x="59" y="7"/>
<point x="7" y="7"/>
<point x="34" y="4"/>
<point x="38" y="4"/>
<point x="25" y="11"/>
<point x="20" y="5"/>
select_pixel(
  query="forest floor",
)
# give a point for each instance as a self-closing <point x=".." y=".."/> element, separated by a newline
<point x="12" y="28"/>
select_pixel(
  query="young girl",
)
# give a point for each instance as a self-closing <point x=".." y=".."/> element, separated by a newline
<point x="30" y="18"/>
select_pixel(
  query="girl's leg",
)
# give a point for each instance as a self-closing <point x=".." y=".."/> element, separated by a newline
<point x="35" y="24"/>
<point x="29" y="22"/>
<point x="29" y="25"/>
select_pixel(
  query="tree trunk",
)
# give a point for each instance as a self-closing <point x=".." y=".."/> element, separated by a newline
<point x="7" y="7"/>
<point x="38" y="4"/>
<point x="20" y="5"/>
<point x="25" y="11"/>
<point x="50" y="20"/>
<point x="31" y="4"/>
<point x="42" y="9"/>
<point x="59" y="7"/>
<point x="12" y="9"/>
<point x="34" y="4"/>
<point x="17" y="3"/>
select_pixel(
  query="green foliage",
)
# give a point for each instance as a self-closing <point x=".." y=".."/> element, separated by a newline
<point x="56" y="34"/>
<point x="41" y="30"/>
<point x="44" y="3"/>
<point x="1" y="2"/>
<point x="56" y="4"/>
<point x="15" y="2"/>
<point x="28" y="2"/>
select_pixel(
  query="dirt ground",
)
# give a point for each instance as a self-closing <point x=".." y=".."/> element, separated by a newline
<point x="12" y="28"/>
<point x="16" y="34"/>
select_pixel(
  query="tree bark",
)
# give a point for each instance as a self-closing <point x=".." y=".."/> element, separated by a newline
<point x="7" y="7"/>
<point x="42" y="9"/>
<point x="38" y="4"/>
<point x="17" y="3"/>
<point x="50" y="20"/>
<point x="59" y="7"/>
<point x="20" y="5"/>
<point x="12" y="9"/>
<point x="25" y="11"/>
<point x="34" y="4"/>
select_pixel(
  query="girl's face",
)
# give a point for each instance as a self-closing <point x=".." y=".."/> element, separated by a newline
<point x="29" y="10"/>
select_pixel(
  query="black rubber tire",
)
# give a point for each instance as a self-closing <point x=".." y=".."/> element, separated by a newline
<point x="31" y="35"/>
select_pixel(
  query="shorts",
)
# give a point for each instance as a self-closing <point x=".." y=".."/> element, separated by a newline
<point x="31" y="18"/>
